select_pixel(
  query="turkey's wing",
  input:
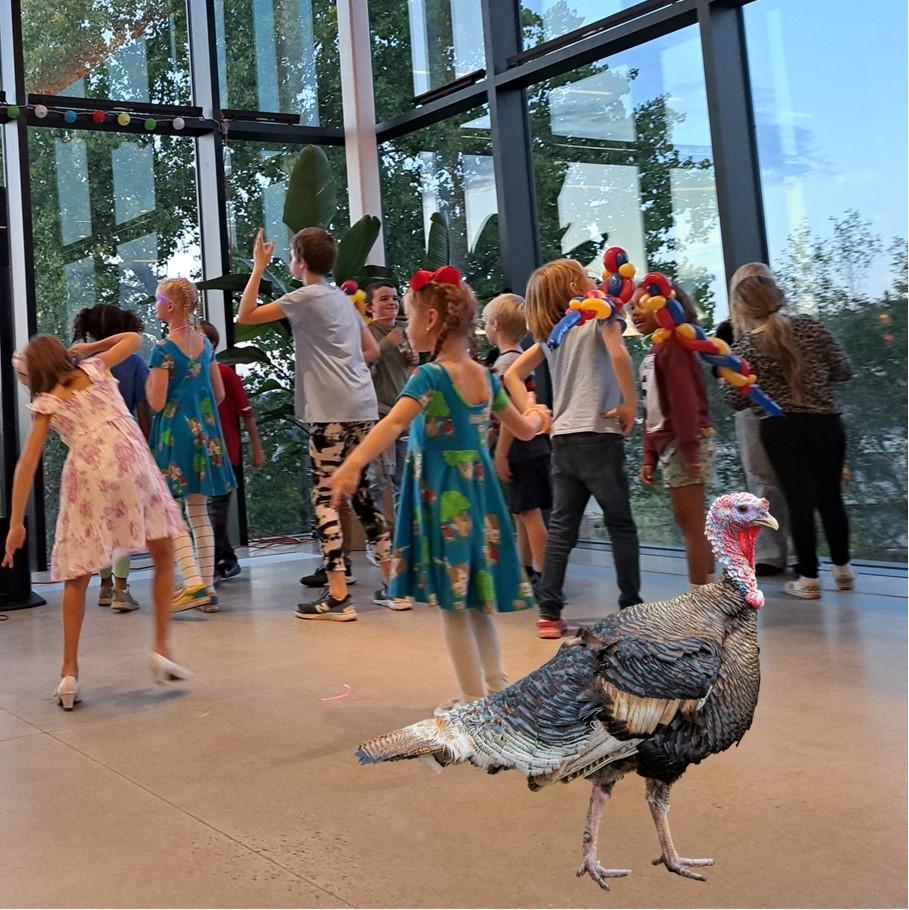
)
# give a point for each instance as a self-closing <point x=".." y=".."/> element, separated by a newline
<point x="645" y="682"/>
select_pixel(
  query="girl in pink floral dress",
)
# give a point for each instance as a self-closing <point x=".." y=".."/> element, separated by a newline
<point x="113" y="498"/>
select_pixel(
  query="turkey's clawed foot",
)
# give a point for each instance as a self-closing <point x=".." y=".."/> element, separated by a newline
<point x="591" y="866"/>
<point x="680" y="865"/>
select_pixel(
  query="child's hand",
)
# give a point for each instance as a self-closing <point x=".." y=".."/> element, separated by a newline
<point x="647" y="474"/>
<point x="83" y="350"/>
<point x="343" y="482"/>
<point x="257" y="459"/>
<point x="624" y="413"/>
<point x="502" y="470"/>
<point x="263" y="250"/>
<point x="14" y="541"/>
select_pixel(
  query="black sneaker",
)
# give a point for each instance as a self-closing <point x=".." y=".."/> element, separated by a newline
<point x="326" y="607"/>
<point x="383" y="599"/>
<point x="319" y="578"/>
<point x="229" y="569"/>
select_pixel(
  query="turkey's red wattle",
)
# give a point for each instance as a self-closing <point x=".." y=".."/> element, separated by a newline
<point x="746" y="542"/>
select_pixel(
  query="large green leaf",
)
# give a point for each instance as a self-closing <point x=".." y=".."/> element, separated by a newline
<point x="311" y="200"/>
<point x="354" y="247"/>
<point x="235" y="281"/>
<point x="251" y="332"/>
<point x="248" y="354"/>
<point x="438" y="246"/>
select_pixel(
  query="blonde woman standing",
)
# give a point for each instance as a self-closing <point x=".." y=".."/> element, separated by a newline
<point x="799" y="364"/>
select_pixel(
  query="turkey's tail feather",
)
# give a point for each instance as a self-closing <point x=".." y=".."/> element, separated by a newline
<point x="437" y="739"/>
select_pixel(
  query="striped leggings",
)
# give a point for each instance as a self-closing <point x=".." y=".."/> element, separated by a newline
<point x="196" y="565"/>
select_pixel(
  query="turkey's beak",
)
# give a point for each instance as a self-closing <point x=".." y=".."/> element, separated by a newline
<point x="768" y="521"/>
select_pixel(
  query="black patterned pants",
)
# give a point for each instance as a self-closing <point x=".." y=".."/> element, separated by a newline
<point x="329" y="445"/>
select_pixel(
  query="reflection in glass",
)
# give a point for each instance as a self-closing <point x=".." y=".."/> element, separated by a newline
<point x="138" y="273"/>
<point x="79" y="279"/>
<point x="135" y="50"/>
<point x="622" y="150"/>
<point x="72" y="189"/>
<point x="134" y="180"/>
<point x="444" y="168"/>
<point x="280" y="56"/>
<point x="543" y="20"/>
<point x="835" y="210"/>
<point x="419" y="45"/>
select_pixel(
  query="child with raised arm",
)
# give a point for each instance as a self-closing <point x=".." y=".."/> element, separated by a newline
<point x="594" y="405"/>
<point x="95" y="324"/>
<point x="113" y="499"/>
<point x="678" y="433"/>
<point x="333" y="394"/>
<point x="454" y="546"/>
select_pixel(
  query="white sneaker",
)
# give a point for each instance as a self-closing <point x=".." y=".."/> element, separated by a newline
<point x="806" y="588"/>
<point x="844" y="576"/>
<point x="371" y="555"/>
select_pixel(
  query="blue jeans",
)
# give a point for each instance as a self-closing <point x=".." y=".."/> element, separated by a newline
<point x="388" y="466"/>
<point x="585" y="465"/>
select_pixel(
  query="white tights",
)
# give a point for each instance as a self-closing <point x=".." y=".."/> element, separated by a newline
<point x="203" y="557"/>
<point x="474" y="649"/>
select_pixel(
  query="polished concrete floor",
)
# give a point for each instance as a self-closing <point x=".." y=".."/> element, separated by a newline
<point x="241" y="789"/>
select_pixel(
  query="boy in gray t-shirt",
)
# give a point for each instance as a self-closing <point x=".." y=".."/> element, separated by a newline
<point x="333" y="394"/>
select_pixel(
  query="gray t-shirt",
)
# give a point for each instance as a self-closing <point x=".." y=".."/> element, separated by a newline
<point x="584" y="385"/>
<point x="332" y="383"/>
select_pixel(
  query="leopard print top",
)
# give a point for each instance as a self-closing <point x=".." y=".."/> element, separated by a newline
<point x="825" y="364"/>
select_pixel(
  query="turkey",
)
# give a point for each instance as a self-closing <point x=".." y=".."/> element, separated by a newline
<point x="651" y="689"/>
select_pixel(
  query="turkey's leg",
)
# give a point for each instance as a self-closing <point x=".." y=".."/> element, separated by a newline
<point x="658" y="800"/>
<point x="602" y="791"/>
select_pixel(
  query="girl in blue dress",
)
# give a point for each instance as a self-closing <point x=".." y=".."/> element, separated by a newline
<point x="184" y="390"/>
<point x="454" y="541"/>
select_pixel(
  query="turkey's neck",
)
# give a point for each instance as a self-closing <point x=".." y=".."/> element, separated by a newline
<point x="735" y="550"/>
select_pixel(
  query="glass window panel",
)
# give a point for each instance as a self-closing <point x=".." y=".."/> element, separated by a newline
<point x="278" y="495"/>
<point x="280" y="56"/>
<point x="74" y="206"/>
<point x="622" y="150"/>
<point x="447" y="168"/>
<point x="134" y="180"/>
<point x="418" y="45"/>
<point x="832" y="153"/>
<point x="135" y="50"/>
<point x="543" y="20"/>
<point x="91" y="246"/>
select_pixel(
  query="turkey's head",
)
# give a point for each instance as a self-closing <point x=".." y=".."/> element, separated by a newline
<point x="733" y="524"/>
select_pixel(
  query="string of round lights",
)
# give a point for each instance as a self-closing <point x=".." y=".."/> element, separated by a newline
<point x="97" y="116"/>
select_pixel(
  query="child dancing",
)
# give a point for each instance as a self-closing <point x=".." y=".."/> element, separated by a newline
<point x="594" y="407"/>
<point x="95" y="324"/>
<point x="112" y="497"/>
<point x="678" y="433"/>
<point x="523" y="467"/>
<point x="454" y="546"/>
<point x="184" y="390"/>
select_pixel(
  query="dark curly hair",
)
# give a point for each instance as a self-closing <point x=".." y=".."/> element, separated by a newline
<point x="103" y="320"/>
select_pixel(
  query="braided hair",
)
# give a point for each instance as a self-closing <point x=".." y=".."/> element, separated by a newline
<point x="183" y="293"/>
<point x="456" y="306"/>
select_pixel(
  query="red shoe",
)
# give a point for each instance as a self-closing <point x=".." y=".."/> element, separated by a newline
<point x="551" y="628"/>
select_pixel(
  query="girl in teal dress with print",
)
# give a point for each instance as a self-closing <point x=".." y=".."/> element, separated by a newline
<point x="184" y="390"/>
<point x="454" y="541"/>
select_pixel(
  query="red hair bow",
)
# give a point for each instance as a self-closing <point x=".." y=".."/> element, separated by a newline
<point x="448" y="274"/>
